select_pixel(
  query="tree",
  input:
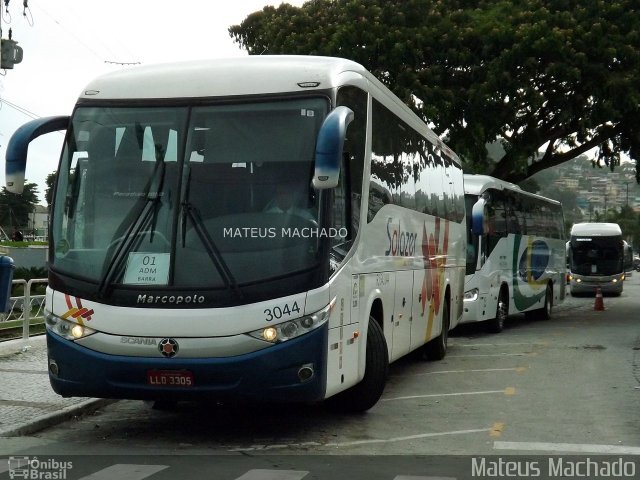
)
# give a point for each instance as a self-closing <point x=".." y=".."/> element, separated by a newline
<point x="48" y="193"/>
<point x="546" y="79"/>
<point x="15" y="209"/>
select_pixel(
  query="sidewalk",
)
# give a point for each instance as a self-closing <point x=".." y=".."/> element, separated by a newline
<point x="27" y="402"/>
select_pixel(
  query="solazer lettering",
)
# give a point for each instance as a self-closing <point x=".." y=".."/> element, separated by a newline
<point x="402" y="244"/>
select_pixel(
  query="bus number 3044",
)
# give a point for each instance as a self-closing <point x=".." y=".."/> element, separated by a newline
<point x="278" y="312"/>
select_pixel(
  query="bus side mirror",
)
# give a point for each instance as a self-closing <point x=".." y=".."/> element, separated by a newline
<point x="18" y="146"/>
<point x="329" y="148"/>
<point x="478" y="216"/>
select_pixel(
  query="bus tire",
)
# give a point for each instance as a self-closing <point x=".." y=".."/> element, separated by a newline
<point x="543" y="313"/>
<point x="496" y="325"/>
<point x="436" y="349"/>
<point x="364" y="395"/>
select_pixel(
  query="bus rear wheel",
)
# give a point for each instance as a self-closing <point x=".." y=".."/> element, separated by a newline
<point x="436" y="349"/>
<point x="364" y="395"/>
<point x="543" y="313"/>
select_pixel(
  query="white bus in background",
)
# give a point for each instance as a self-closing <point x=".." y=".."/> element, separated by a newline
<point x="516" y="253"/>
<point x="596" y="258"/>
<point x="216" y="233"/>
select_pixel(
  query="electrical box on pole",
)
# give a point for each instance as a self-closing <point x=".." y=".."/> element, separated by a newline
<point x="10" y="53"/>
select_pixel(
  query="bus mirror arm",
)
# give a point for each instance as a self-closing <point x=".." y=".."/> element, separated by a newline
<point x="16" y="158"/>
<point x="329" y="148"/>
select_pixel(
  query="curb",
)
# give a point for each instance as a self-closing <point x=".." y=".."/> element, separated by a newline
<point x="40" y="423"/>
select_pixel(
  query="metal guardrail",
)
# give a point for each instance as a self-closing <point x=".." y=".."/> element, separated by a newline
<point x="18" y="305"/>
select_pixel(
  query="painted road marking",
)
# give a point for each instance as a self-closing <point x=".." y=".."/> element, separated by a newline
<point x="506" y="391"/>
<point x="479" y="370"/>
<point x="128" y="471"/>
<point x="495" y="355"/>
<point x="360" y="442"/>
<point x="567" y="447"/>
<point x="265" y="474"/>
<point x="544" y="344"/>
<point x="412" y="477"/>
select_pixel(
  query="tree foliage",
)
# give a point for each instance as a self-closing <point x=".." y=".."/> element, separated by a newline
<point x="546" y="79"/>
<point x="15" y="209"/>
<point x="48" y="192"/>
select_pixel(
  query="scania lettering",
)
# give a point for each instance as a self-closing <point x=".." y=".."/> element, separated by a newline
<point x="244" y="212"/>
<point x="515" y="253"/>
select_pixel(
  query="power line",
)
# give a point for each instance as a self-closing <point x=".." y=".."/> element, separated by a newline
<point x="20" y="109"/>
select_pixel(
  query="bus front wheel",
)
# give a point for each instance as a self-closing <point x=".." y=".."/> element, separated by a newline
<point x="496" y="325"/>
<point x="364" y="395"/>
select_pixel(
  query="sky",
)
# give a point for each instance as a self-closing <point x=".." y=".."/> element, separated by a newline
<point x="67" y="43"/>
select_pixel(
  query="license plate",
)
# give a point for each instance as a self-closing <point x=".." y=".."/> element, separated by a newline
<point x="170" y="378"/>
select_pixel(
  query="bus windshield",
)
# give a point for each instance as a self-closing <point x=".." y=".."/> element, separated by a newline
<point x="182" y="196"/>
<point x="596" y="255"/>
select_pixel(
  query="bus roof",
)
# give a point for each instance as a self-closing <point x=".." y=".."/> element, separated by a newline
<point x="477" y="184"/>
<point x="222" y="77"/>
<point x="242" y="76"/>
<point x="596" y="229"/>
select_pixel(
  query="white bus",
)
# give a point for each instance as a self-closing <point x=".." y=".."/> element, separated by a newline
<point x="516" y="259"/>
<point x="265" y="228"/>
<point x="596" y="258"/>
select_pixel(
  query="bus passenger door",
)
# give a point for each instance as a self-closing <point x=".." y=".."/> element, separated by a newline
<point x="401" y="331"/>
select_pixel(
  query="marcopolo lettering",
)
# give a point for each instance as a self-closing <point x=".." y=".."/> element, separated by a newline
<point x="171" y="299"/>
<point x="401" y="244"/>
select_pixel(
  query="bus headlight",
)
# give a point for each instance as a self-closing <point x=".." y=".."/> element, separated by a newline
<point x="294" y="328"/>
<point x="65" y="328"/>
<point x="471" y="295"/>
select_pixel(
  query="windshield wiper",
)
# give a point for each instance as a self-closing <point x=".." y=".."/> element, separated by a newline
<point x="148" y="211"/>
<point x="192" y="213"/>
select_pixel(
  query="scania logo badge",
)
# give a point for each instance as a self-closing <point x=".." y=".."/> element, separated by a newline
<point x="168" y="347"/>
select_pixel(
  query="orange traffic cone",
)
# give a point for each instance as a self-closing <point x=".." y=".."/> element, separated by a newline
<point x="599" y="305"/>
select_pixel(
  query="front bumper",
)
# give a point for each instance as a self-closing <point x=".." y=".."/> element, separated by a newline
<point x="270" y="374"/>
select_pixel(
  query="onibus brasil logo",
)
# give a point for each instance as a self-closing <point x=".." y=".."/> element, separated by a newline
<point x="38" y="469"/>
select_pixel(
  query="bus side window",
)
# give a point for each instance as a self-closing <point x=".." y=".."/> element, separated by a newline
<point x="354" y="148"/>
<point x="497" y="221"/>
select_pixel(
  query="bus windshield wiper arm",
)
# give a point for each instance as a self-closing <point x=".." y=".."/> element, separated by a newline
<point x="192" y="213"/>
<point x="148" y="211"/>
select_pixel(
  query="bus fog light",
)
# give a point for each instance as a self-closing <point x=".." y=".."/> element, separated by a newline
<point x="305" y="373"/>
<point x="53" y="368"/>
